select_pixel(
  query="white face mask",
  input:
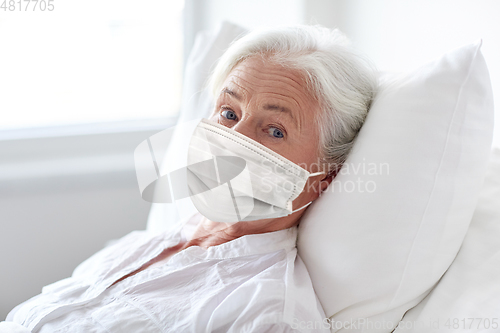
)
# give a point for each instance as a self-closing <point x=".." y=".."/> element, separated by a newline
<point x="233" y="178"/>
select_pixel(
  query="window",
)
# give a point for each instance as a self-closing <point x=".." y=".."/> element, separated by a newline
<point x="89" y="61"/>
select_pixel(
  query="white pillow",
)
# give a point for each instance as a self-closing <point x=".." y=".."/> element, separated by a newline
<point x="376" y="251"/>
<point x="468" y="295"/>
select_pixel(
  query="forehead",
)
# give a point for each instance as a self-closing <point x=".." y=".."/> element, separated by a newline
<point x="264" y="76"/>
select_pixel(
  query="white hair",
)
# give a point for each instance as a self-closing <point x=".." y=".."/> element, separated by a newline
<point x="343" y="82"/>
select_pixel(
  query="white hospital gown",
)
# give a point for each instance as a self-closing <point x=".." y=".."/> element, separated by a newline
<point x="255" y="283"/>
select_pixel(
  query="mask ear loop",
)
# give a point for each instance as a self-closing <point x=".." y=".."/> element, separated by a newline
<point x="307" y="204"/>
<point x="316" y="174"/>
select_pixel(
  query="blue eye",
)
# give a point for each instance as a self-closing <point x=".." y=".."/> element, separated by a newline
<point x="276" y="132"/>
<point x="230" y="115"/>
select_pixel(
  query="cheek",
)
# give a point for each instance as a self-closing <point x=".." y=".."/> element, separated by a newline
<point x="305" y="152"/>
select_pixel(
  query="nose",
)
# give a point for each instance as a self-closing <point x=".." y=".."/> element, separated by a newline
<point x="246" y="127"/>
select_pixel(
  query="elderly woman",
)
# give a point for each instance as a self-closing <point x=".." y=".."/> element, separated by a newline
<point x="299" y="95"/>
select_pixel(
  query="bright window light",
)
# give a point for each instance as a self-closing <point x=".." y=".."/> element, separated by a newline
<point x="89" y="61"/>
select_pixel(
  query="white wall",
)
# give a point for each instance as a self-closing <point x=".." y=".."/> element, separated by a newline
<point x="207" y="14"/>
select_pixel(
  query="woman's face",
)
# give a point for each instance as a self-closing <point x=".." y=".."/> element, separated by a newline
<point x="271" y="105"/>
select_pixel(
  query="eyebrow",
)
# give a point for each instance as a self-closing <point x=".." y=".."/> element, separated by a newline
<point x="275" y="107"/>
<point x="269" y="107"/>
<point x="231" y="93"/>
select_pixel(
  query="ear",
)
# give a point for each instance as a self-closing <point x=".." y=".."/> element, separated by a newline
<point x="324" y="183"/>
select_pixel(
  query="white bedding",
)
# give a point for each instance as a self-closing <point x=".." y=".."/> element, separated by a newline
<point x="468" y="296"/>
<point x="10" y="327"/>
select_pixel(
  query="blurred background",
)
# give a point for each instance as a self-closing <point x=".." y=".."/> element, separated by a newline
<point x="82" y="83"/>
